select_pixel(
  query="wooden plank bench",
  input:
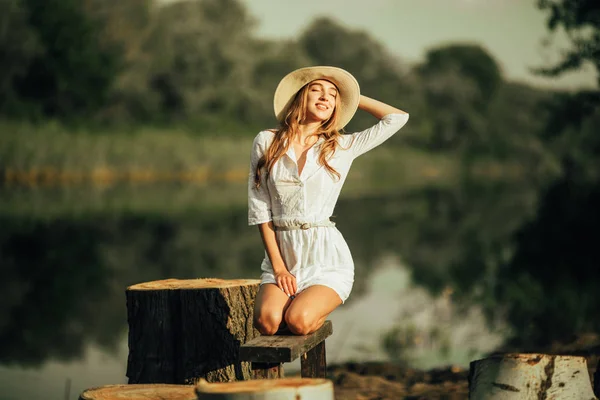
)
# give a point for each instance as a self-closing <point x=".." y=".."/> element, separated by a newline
<point x="267" y="353"/>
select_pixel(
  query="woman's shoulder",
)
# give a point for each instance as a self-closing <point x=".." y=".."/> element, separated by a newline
<point x="266" y="135"/>
<point x="264" y="138"/>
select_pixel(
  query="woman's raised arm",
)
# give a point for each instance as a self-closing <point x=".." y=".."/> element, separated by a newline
<point x="391" y="119"/>
<point x="377" y="108"/>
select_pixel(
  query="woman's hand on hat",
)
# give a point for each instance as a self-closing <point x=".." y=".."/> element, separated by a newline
<point x="286" y="282"/>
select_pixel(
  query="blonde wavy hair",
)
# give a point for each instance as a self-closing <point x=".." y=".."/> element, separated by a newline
<point x="288" y="130"/>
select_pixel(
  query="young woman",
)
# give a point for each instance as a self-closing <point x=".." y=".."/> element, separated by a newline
<point x="297" y="173"/>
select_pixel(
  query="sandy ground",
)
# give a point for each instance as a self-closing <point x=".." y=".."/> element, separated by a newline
<point x="379" y="381"/>
<point x="388" y="381"/>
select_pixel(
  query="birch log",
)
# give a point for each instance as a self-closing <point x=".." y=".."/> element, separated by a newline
<point x="275" y="389"/>
<point x="597" y="380"/>
<point x="184" y="330"/>
<point x="530" y="376"/>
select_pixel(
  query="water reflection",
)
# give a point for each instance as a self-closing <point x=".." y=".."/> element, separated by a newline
<point x="67" y="255"/>
<point x="550" y="286"/>
<point x="441" y="233"/>
<point x="57" y="379"/>
<point x="65" y="277"/>
<point x="65" y="274"/>
<point x="398" y="320"/>
<point x="390" y="296"/>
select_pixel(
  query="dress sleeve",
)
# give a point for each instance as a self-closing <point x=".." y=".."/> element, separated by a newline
<point x="259" y="200"/>
<point x="377" y="134"/>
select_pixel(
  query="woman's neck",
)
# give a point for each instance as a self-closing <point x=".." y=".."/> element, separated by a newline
<point x="306" y="130"/>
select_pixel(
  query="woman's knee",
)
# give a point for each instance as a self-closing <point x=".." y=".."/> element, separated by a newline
<point x="267" y="322"/>
<point x="300" y="321"/>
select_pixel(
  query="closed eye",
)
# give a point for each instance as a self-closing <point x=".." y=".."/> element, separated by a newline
<point x="319" y="88"/>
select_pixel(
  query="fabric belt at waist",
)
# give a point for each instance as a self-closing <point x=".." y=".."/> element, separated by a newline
<point x="305" y="225"/>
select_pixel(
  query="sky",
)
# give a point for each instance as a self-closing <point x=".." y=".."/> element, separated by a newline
<point x="511" y="30"/>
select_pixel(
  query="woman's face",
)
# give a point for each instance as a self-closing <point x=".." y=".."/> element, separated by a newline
<point x="320" y="101"/>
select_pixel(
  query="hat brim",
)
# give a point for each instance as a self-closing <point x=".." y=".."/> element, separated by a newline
<point x="348" y="90"/>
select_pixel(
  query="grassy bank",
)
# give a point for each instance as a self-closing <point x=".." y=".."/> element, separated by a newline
<point x="47" y="171"/>
<point x="50" y="155"/>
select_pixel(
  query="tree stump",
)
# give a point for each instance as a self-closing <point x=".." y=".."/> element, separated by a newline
<point x="183" y="330"/>
<point x="530" y="376"/>
<point x="276" y="389"/>
<point x="140" y="392"/>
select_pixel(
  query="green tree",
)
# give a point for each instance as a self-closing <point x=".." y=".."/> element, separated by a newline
<point x="273" y="60"/>
<point x="548" y="286"/>
<point x="71" y="75"/>
<point x="581" y="21"/>
<point x="514" y="119"/>
<point x="459" y="82"/>
<point x="18" y="46"/>
<point x="472" y="62"/>
<point x="572" y="128"/>
<point x="205" y="64"/>
<point x="128" y="26"/>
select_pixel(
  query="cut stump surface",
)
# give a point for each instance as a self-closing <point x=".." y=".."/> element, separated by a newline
<point x="140" y="392"/>
<point x="276" y="389"/>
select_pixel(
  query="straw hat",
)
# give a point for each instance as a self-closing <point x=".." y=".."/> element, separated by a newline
<point x="348" y="90"/>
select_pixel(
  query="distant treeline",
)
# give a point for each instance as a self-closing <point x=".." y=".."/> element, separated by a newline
<point x="198" y="63"/>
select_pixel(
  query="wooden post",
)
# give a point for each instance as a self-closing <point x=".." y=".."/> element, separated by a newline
<point x="276" y="389"/>
<point x="140" y="392"/>
<point x="313" y="363"/>
<point x="530" y="376"/>
<point x="183" y="330"/>
<point x="267" y="370"/>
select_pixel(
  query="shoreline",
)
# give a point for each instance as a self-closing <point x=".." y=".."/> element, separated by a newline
<point x="387" y="380"/>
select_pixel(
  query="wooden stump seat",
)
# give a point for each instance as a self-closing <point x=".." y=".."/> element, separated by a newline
<point x="267" y="353"/>
<point x="276" y="389"/>
<point x="140" y="392"/>
<point x="184" y="330"/>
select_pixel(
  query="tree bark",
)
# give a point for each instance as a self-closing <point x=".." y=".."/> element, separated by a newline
<point x="140" y="392"/>
<point x="530" y="376"/>
<point x="183" y="330"/>
<point x="276" y="389"/>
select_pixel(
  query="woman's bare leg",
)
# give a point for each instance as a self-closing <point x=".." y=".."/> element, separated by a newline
<point x="270" y="306"/>
<point x="310" y="308"/>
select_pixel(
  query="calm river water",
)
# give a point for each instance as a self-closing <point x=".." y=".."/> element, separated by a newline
<point x="427" y="267"/>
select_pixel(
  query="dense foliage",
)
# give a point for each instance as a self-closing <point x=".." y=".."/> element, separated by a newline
<point x="199" y="63"/>
<point x="548" y="286"/>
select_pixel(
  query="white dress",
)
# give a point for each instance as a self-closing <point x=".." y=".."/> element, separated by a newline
<point x="319" y="255"/>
